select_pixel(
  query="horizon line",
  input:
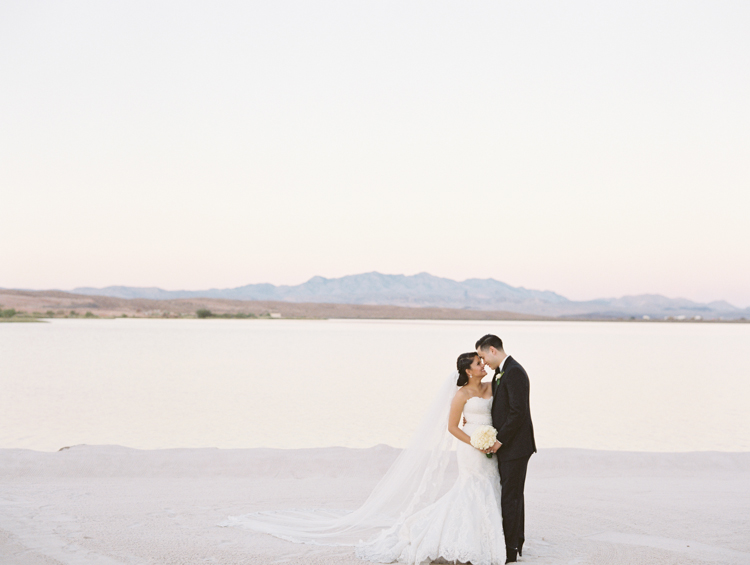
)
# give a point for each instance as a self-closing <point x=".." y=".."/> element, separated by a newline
<point x="611" y="297"/>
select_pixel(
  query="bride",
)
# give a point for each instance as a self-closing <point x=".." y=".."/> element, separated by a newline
<point x="409" y="517"/>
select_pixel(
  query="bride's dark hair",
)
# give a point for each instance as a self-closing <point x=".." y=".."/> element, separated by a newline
<point x="463" y="362"/>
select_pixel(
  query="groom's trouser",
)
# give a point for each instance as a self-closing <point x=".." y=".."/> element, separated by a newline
<point x="512" y="480"/>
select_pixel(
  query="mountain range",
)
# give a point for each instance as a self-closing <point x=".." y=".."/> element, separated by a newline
<point x="425" y="290"/>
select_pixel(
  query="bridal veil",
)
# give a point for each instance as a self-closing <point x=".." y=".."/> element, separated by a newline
<point x="415" y="480"/>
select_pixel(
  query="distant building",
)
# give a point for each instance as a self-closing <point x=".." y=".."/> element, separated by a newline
<point x="275" y="315"/>
<point x="646" y="317"/>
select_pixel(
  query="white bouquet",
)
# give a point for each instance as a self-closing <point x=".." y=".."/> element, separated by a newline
<point x="483" y="438"/>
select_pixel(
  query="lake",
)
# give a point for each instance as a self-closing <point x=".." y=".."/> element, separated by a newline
<point x="357" y="383"/>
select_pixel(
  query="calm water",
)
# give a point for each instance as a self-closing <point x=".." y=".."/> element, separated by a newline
<point x="358" y="383"/>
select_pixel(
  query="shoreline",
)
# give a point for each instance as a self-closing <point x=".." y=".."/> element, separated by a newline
<point x="381" y="446"/>
<point x="111" y="504"/>
<point x="60" y="304"/>
<point x="370" y="462"/>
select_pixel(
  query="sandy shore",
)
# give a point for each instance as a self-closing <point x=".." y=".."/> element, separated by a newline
<point x="62" y="303"/>
<point x="108" y="505"/>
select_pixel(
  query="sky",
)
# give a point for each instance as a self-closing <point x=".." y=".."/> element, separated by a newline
<point x="596" y="149"/>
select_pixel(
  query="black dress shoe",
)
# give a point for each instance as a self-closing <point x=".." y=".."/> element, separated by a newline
<point x="511" y="555"/>
<point x="520" y="549"/>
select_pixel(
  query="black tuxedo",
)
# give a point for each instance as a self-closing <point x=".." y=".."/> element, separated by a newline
<point x="511" y="417"/>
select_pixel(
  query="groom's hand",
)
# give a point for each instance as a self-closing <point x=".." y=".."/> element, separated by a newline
<point x="494" y="448"/>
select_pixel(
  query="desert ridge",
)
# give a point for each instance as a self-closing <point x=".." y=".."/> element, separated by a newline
<point x="33" y="305"/>
<point x="56" y="303"/>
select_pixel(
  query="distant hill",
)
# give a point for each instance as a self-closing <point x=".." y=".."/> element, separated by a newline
<point x="58" y="304"/>
<point x="425" y="290"/>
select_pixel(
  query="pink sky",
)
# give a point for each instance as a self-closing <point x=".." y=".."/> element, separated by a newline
<point x="590" y="150"/>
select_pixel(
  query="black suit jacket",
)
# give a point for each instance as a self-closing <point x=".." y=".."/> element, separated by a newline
<point x="511" y="415"/>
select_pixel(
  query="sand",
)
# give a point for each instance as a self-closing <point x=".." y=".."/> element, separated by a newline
<point x="107" y="505"/>
<point x="62" y="303"/>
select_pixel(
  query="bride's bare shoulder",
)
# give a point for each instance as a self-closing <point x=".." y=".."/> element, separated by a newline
<point x="461" y="394"/>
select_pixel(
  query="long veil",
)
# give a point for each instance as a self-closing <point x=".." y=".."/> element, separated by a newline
<point x="414" y="480"/>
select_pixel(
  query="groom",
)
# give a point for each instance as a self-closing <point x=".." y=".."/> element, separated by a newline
<point x="511" y="417"/>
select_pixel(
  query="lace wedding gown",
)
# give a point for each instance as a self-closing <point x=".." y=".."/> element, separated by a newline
<point x="464" y="525"/>
<point x="405" y="519"/>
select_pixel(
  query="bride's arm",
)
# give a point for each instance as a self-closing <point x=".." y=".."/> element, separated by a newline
<point x="454" y="417"/>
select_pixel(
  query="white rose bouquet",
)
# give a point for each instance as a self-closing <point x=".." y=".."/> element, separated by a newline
<point x="483" y="438"/>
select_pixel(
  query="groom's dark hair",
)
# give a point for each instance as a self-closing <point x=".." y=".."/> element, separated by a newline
<point x="488" y="341"/>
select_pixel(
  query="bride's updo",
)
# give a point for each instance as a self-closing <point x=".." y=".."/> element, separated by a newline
<point x="463" y="362"/>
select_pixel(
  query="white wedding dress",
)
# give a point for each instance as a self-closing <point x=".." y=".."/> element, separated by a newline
<point x="464" y="525"/>
<point x="405" y="519"/>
